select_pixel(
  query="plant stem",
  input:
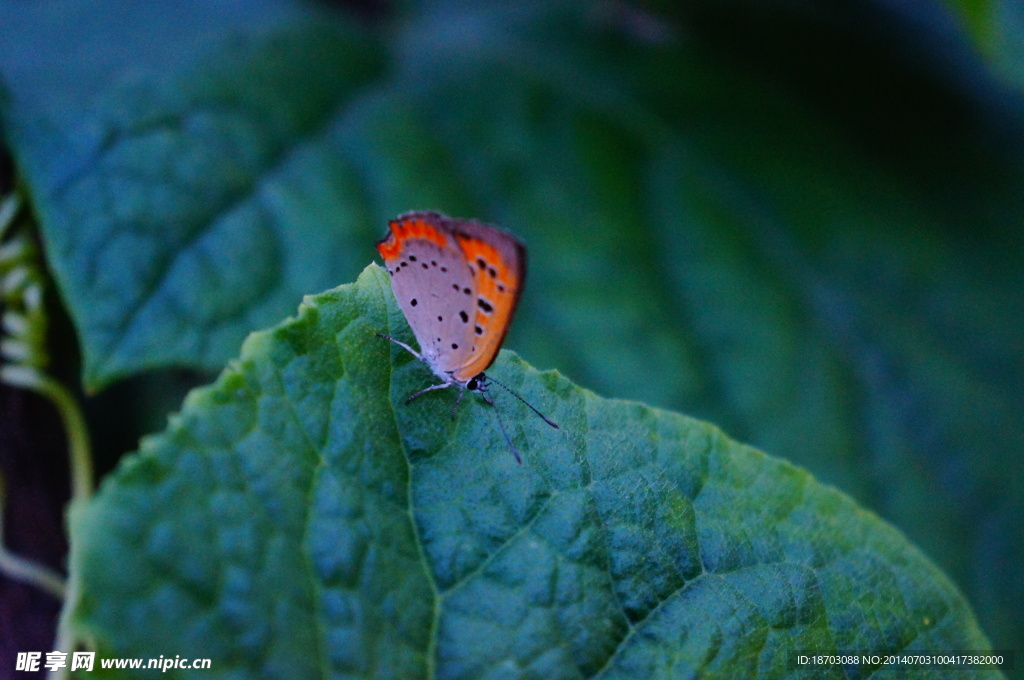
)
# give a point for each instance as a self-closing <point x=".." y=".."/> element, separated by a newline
<point x="32" y="573"/>
<point x="80" y="459"/>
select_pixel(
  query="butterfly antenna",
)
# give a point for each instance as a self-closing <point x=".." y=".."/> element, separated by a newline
<point x="504" y="432"/>
<point x="532" y="408"/>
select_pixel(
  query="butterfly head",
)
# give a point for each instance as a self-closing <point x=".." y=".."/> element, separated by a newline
<point x="478" y="383"/>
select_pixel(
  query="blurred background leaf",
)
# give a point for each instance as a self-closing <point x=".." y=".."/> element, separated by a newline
<point x="799" y="221"/>
<point x="183" y="201"/>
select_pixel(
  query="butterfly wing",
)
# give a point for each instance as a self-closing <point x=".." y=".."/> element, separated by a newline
<point x="458" y="282"/>
<point x="496" y="262"/>
<point x="433" y="286"/>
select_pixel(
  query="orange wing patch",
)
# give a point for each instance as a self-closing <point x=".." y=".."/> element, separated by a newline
<point x="497" y="288"/>
<point x="407" y="228"/>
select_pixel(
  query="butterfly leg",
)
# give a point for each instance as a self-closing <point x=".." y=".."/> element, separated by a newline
<point x="425" y="390"/>
<point x="457" y="402"/>
<point x="404" y="346"/>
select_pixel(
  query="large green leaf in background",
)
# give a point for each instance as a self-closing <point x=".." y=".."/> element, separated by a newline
<point x="184" y="201"/>
<point x="699" y="239"/>
<point x="296" y="521"/>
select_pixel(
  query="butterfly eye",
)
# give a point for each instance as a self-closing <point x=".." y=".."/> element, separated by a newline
<point x="472" y="385"/>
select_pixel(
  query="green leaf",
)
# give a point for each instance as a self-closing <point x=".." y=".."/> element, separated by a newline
<point x="176" y="158"/>
<point x="978" y="17"/>
<point x="296" y="520"/>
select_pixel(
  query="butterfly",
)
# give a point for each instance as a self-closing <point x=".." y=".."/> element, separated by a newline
<point x="458" y="282"/>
